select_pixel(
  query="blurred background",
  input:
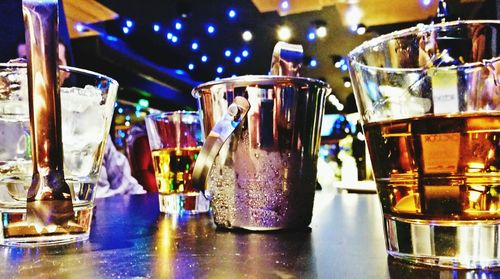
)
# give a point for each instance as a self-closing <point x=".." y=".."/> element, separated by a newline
<point x="159" y="50"/>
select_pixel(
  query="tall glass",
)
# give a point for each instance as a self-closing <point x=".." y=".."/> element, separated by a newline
<point x="87" y="104"/>
<point x="175" y="139"/>
<point x="430" y="105"/>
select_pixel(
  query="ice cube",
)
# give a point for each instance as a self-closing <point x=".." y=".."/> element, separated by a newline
<point x="399" y="103"/>
<point x="83" y="128"/>
<point x="78" y="100"/>
<point x="83" y="120"/>
<point x="14" y="95"/>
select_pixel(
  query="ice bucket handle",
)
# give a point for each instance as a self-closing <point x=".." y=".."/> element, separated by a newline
<point x="222" y="130"/>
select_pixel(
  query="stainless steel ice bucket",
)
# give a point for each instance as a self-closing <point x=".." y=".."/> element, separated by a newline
<point x="261" y="175"/>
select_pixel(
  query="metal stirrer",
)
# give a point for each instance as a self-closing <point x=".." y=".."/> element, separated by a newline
<point x="49" y="200"/>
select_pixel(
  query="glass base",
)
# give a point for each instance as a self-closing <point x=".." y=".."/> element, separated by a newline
<point x="45" y="240"/>
<point x="453" y="244"/>
<point x="19" y="232"/>
<point x="192" y="203"/>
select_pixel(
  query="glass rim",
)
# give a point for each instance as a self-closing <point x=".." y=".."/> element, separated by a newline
<point x="160" y="115"/>
<point x="357" y="51"/>
<point x="259" y="79"/>
<point x="63" y="68"/>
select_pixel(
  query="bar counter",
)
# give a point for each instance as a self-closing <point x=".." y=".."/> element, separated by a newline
<point x="131" y="239"/>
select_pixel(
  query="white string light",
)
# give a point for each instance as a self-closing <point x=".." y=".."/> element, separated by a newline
<point x="284" y="33"/>
<point x="247" y="36"/>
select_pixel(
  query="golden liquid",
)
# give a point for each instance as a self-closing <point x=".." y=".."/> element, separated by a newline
<point x="174" y="168"/>
<point x="438" y="167"/>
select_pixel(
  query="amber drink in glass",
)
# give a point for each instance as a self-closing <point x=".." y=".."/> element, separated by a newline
<point x="175" y="139"/>
<point x="429" y="98"/>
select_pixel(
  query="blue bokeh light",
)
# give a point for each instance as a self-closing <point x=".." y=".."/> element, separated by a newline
<point x="231" y="13"/>
<point x="285" y="5"/>
<point x="125" y="30"/>
<point x="227" y="53"/>
<point x="169" y="36"/>
<point x="178" y="25"/>
<point x="245" y="53"/>
<point x="311" y="36"/>
<point x="194" y="46"/>
<point x="156" y="27"/>
<point x="220" y="69"/>
<point x="313" y="63"/>
<point x="174" y="39"/>
<point x="120" y="110"/>
<point x="191" y="66"/>
<point x="129" y="23"/>
<point x="79" y="27"/>
<point x="204" y="58"/>
<point x="211" y="29"/>
<point x="112" y="38"/>
<point x="179" y="72"/>
<point x="237" y="60"/>
<point x="344" y="68"/>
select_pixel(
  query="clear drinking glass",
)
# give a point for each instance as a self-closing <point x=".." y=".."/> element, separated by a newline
<point x="87" y="104"/>
<point x="429" y="98"/>
<point x="175" y="139"/>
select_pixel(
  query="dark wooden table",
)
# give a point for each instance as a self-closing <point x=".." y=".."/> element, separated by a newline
<point x="131" y="239"/>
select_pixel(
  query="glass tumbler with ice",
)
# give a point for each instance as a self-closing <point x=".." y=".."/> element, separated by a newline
<point x="87" y="105"/>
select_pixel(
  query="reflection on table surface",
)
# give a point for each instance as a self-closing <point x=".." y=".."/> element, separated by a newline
<point x="357" y="187"/>
<point x="130" y="238"/>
